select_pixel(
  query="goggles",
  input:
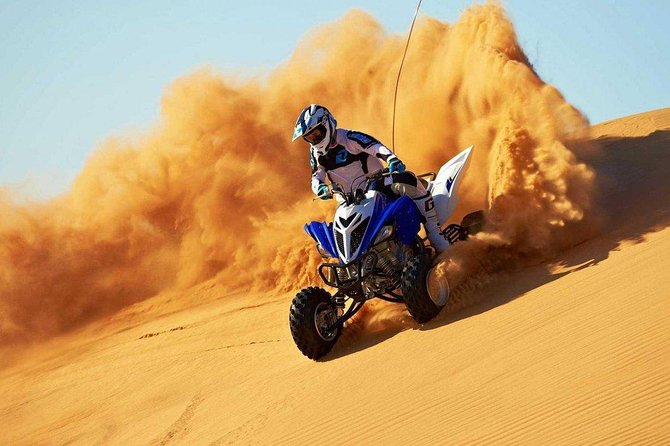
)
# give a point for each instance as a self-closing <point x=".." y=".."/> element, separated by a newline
<point x="316" y="135"/>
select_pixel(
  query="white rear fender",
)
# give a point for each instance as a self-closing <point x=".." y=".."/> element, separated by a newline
<point x="445" y="186"/>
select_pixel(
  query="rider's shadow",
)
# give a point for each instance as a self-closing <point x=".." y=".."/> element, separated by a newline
<point x="498" y="291"/>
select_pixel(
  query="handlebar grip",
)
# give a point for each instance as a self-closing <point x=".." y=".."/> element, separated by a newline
<point x="381" y="173"/>
<point x="324" y="197"/>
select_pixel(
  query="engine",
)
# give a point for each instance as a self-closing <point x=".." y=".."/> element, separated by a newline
<point x="391" y="256"/>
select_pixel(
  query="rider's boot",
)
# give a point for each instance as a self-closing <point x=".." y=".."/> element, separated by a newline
<point x="426" y="206"/>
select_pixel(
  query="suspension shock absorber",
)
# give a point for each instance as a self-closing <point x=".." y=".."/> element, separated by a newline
<point x="339" y="303"/>
<point x="388" y="258"/>
<point x="385" y="264"/>
<point x="392" y="260"/>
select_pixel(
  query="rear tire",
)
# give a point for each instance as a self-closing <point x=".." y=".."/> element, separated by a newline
<point x="312" y="311"/>
<point x="415" y="291"/>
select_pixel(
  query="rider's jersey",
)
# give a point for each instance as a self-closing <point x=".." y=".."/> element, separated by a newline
<point x="352" y="156"/>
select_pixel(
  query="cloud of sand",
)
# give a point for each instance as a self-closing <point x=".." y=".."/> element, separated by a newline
<point x="217" y="189"/>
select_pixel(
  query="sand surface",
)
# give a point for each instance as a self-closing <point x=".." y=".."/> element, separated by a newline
<point x="571" y="352"/>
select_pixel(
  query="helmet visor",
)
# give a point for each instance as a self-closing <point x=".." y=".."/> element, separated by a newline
<point x="316" y="135"/>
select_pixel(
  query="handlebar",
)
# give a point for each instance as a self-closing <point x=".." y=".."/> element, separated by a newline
<point x="378" y="175"/>
<point x="369" y="179"/>
<point x="355" y="186"/>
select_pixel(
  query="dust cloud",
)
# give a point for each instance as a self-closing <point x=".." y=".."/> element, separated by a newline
<point x="217" y="190"/>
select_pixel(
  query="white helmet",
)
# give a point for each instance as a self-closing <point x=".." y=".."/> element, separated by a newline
<point x="317" y="126"/>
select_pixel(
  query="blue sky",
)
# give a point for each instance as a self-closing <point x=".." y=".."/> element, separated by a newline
<point x="75" y="72"/>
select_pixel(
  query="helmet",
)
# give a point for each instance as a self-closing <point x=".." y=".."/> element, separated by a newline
<point x="317" y="126"/>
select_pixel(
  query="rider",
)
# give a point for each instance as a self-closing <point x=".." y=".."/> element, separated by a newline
<point x="346" y="156"/>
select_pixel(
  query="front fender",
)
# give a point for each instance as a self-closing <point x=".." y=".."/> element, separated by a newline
<point x="322" y="233"/>
<point x="404" y="214"/>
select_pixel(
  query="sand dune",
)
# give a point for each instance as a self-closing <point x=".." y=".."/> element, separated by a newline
<point x="568" y="352"/>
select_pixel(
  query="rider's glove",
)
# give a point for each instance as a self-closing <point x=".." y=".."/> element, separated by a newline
<point x="322" y="192"/>
<point x="396" y="166"/>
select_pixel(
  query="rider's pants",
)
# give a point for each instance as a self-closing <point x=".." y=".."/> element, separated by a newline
<point x="404" y="183"/>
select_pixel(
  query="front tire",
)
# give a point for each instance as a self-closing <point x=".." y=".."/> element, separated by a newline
<point x="415" y="290"/>
<point x="312" y="312"/>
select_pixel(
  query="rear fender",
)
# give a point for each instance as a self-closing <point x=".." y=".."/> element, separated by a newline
<point x="444" y="188"/>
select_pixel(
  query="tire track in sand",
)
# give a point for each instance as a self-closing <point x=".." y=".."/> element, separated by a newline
<point x="181" y="427"/>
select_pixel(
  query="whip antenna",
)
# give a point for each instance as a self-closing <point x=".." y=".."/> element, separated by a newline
<point x="397" y="81"/>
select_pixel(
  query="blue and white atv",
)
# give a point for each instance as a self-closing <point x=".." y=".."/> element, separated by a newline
<point x="373" y="249"/>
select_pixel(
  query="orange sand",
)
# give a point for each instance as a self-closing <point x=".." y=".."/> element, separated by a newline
<point x="568" y="352"/>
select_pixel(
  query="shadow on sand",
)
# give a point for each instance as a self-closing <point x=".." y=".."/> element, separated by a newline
<point x="632" y="197"/>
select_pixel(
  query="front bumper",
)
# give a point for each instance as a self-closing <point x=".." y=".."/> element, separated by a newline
<point x="350" y="275"/>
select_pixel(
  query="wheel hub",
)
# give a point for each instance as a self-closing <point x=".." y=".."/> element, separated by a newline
<point x="324" y="318"/>
<point x="438" y="287"/>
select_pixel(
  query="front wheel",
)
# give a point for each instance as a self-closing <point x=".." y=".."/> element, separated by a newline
<point x="312" y="315"/>
<point x="415" y="290"/>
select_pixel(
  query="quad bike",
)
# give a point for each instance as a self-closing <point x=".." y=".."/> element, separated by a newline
<point x="372" y="250"/>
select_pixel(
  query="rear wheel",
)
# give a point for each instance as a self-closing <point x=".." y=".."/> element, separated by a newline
<point x="311" y="316"/>
<point x="415" y="290"/>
